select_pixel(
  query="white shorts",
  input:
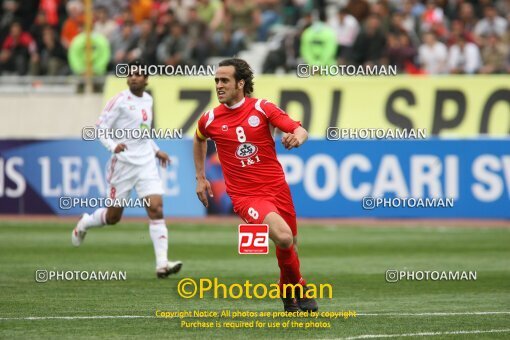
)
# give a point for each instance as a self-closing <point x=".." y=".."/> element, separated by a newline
<point x="123" y="177"/>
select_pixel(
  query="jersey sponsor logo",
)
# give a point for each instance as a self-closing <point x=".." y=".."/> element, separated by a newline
<point x="224" y="127"/>
<point x="254" y="121"/>
<point x="245" y="150"/>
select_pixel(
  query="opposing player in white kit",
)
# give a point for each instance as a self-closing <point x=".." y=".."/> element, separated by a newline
<point x="132" y="165"/>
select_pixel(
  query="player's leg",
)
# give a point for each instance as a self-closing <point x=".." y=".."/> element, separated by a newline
<point x="265" y="211"/>
<point x="120" y="182"/>
<point x="99" y="218"/>
<point x="150" y="187"/>
<point x="286" y="211"/>
<point x="281" y="235"/>
<point x="159" y="236"/>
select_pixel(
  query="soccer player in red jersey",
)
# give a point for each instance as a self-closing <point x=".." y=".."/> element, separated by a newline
<point x="242" y="128"/>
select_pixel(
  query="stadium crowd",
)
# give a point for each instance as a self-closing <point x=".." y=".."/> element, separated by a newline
<point x="430" y="36"/>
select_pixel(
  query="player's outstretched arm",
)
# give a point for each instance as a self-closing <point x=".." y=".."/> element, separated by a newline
<point x="203" y="185"/>
<point x="295" y="139"/>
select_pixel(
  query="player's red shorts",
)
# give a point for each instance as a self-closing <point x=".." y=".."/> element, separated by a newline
<point x="255" y="209"/>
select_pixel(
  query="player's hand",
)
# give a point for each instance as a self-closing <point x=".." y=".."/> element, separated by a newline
<point x="290" y="140"/>
<point x="119" y="148"/>
<point x="164" y="159"/>
<point x="204" y="189"/>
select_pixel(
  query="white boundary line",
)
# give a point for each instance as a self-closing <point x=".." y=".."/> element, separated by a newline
<point x="90" y="317"/>
<point x="431" y="314"/>
<point x="95" y="317"/>
<point x="375" y="336"/>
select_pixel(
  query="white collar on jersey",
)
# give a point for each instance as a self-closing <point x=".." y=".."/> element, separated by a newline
<point x="235" y="106"/>
<point x="135" y="96"/>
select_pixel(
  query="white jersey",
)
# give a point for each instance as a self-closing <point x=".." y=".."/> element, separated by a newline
<point x="127" y="112"/>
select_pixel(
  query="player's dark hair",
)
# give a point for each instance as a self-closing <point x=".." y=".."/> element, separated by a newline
<point x="137" y="62"/>
<point x="243" y="71"/>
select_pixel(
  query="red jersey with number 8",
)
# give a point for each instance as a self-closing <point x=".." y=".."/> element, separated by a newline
<point x="243" y="134"/>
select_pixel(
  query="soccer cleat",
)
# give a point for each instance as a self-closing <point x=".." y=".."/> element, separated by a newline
<point x="306" y="304"/>
<point x="290" y="304"/>
<point x="171" y="268"/>
<point x="78" y="234"/>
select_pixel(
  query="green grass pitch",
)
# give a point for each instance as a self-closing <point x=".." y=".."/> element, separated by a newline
<point x="353" y="259"/>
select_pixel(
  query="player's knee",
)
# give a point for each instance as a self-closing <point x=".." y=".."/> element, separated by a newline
<point x="156" y="211"/>
<point x="284" y="239"/>
<point x="112" y="219"/>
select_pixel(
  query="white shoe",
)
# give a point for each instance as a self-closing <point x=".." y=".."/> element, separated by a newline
<point x="172" y="267"/>
<point x="78" y="234"/>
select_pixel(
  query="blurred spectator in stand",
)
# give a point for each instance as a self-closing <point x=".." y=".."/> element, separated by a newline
<point x="19" y="52"/>
<point x="418" y="8"/>
<point x="74" y="23"/>
<point x="206" y="9"/>
<point x="360" y="9"/>
<point x="432" y="54"/>
<point x="140" y="10"/>
<point x="36" y="30"/>
<point x="179" y="7"/>
<point x="224" y="44"/>
<point x="464" y="57"/>
<point x="53" y="60"/>
<point x="398" y="26"/>
<point x="27" y="11"/>
<point x="292" y="11"/>
<point x="50" y="9"/>
<point x="370" y="44"/>
<point x="285" y="47"/>
<point x="103" y="23"/>
<point x="145" y="46"/>
<point x="236" y="23"/>
<point x="490" y="24"/>
<point x="319" y="44"/>
<point x="458" y="31"/>
<point x="244" y="18"/>
<point x="277" y="52"/>
<point x="7" y="16"/>
<point x="346" y="28"/>
<point x="400" y="51"/>
<point x="319" y="6"/>
<point x="408" y="19"/>
<point x="124" y="39"/>
<point x="124" y="16"/>
<point x="142" y="29"/>
<point x="173" y="49"/>
<point x="165" y="21"/>
<point x="494" y="54"/>
<point x="113" y="7"/>
<point x="503" y="6"/>
<point x="382" y="11"/>
<point x="432" y="20"/>
<point x="198" y="38"/>
<point x="467" y="16"/>
<point x="270" y="16"/>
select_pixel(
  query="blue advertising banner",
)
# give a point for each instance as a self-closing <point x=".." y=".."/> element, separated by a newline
<point x="351" y="178"/>
<point x="35" y="175"/>
<point x="429" y="178"/>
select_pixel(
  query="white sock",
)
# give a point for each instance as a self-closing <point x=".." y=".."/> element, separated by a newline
<point x="95" y="220"/>
<point x="159" y="236"/>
